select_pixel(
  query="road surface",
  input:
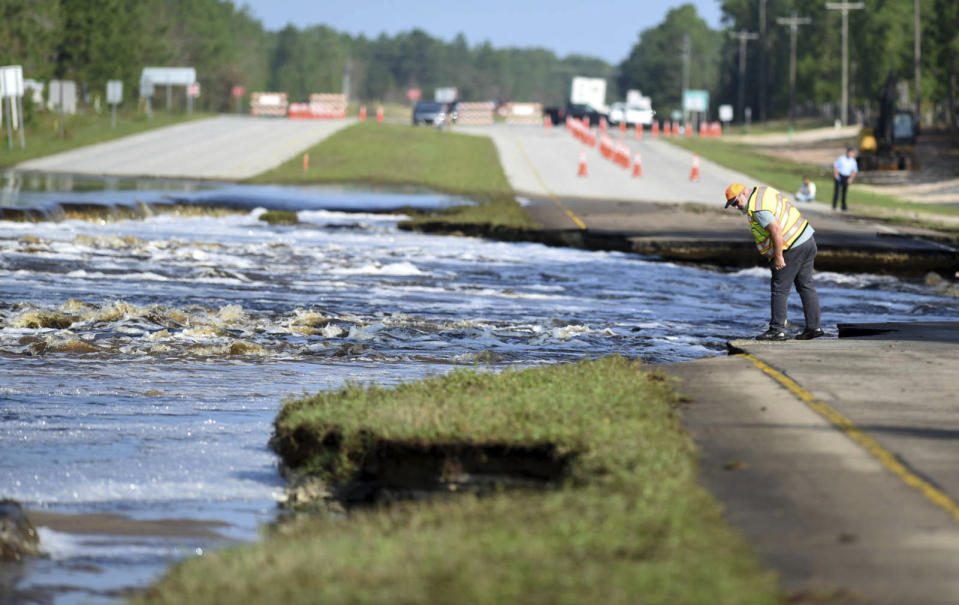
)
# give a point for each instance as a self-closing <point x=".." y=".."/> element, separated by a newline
<point x="225" y="148"/>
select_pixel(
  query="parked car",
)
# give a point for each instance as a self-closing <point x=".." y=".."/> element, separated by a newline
<point x="558" y="115"/>
<point x="434" y="113"/>
<point x="631" y="114"/>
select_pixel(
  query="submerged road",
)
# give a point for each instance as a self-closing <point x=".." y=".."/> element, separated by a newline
<point x="222" y="148"/>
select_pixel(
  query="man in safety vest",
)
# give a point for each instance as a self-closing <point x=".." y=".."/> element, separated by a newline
<point x="785" y="238"/>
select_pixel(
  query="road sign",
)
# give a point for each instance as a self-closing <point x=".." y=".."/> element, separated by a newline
<point x="11" y="81"/>
<point x="725" y="113"/>
<point x="696" y="100"/>
<point x="238" y="91"/>
<point x="114" y="92"/>
<point x="444" y="95"/>
<point x="414" y="94"/>
<point x="193" y="90"/>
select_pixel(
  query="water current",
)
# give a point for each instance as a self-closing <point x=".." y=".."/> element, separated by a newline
<point x="143" y="360"/>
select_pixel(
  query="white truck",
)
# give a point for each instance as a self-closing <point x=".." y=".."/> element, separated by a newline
<point x="637" y="109"/>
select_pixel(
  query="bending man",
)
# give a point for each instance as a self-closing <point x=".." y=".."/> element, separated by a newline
<point x="785" y="238"/>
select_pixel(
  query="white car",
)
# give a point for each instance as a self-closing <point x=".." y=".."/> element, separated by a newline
<point x="631" y="114"/>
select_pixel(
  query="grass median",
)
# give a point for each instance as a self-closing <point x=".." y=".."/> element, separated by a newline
<point x="43" y="134"/>
<point x="624" y="522"/>
<point x="398" y="154"/>
<point x="786" y="176"/>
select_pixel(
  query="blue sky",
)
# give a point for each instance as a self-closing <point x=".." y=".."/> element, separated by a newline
<point x="606" y="29"/>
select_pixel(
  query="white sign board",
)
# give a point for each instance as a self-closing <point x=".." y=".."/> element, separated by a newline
<point x="695" y="100"/>
<point x="169" y="76"/>
<point x="444" y="95"/>
<point x="34" y="89"/>
<point x="63" y="95"/>
<point x="114" y="92"/>
<point x="725" y="113"/>
<point x="588" y="91"/>
<point x="11" y="81"/>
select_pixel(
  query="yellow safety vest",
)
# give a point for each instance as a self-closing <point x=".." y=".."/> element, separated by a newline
<point x="791" y="222"/>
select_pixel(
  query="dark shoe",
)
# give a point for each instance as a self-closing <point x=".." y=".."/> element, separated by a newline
<point x="810" y="334"/>
<point x="772" y="334"/>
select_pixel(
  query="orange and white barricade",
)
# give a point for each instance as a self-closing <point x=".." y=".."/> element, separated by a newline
<point x="268" y="104"/>
<point x="525" y="113"/>
<point x="475" y="114"/>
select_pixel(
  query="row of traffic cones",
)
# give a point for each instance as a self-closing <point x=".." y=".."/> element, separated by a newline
<point x="379" y="114"/>
<point x="583" y="169"/>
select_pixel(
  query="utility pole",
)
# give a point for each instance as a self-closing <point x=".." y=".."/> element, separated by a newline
<point x="793" y="22"/>
<point x="762" y="60"/>
<point x="844" y="7"/>
<point x="917" y="59"/>
<point x="743" y="36"/>
<point x="685" y="83"/>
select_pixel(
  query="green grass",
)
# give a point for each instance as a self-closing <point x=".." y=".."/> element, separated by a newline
<point x="786" y="176"/>
<point x="279" y="217"/>
<point x="628" y="524"/>
<point x="42" y="136"/>
<point x="395" y="154"/>
<point x="776" y="126"/>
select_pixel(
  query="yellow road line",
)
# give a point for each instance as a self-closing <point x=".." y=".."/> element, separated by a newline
<point x="885" y="457"/>
<point x="542" y="184"/>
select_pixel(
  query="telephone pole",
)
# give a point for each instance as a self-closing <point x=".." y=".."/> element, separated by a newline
<point x="844" y="7"/>
<point x="743" y="36"/>
<point x="763" y="39"/>
<point x="917" y="59"/>
<point x="793" y="22"/>
<point x="687" y="52"/>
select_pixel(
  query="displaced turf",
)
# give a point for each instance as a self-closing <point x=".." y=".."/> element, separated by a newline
<point x="627" y="523"/>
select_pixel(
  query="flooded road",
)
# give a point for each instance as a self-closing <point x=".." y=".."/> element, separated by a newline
<point x="144" y="360"/>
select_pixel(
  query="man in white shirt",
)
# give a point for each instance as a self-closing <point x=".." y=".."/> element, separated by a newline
<point x="844" y="171"/>
<point x="807" y="191"/>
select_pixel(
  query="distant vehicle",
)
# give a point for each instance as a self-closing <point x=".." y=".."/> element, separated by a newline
<point x="631" y="114"/>
<point x="890" y="142"/>
<point x="558" y="115"/>
<point x="434" y="113"/>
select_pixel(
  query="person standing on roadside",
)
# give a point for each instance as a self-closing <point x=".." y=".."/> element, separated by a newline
<point x="785" y="238"/>
<point x="844" y="171"/>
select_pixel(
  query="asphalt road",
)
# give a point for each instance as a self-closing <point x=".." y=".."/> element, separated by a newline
<point x="223" y="148"/>
<point x="860" y="506"/>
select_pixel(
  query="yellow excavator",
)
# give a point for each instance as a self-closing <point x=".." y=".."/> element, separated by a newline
<point x="889" y="143"/>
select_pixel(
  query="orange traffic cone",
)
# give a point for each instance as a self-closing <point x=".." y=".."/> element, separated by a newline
<point x="582" y="164"/>
<point x="622" y="126"/>
<point x="602" y="123"/>
<point x="656" y="129"/>
<point x="689" y="130"/>
<point x="379" y="114"/>
<point x="547" y="123"/>
<point x="363" y="113"/>
<point x="639" y="132"/>
<point x="637" y="165"/>
<point x="306" y="162"/>
<point x="694" y="173"/>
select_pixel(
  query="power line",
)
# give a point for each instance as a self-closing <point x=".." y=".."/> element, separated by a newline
<point x="793" y="22"/>
<point x="743" y="36"/>
<point x="844" y="7"/>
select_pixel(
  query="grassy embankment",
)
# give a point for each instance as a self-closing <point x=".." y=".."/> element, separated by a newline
<point x="625" y="522"/>
<point x="43" y="138"/>
<point x="787" y="175"/>
<point x="394" y="154"/>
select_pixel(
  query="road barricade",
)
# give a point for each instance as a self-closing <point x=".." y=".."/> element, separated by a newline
<point x="268" y="104"/>
<point x="475" y="114"/>
<point x="525" y="113"/>
<point x="322" y="106"/>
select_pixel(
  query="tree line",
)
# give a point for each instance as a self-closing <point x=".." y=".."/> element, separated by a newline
<point x="881" y="39"/>
<point x="92" y="41"/>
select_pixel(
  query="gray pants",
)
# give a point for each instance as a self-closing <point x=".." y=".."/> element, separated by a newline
<point x="798" y="270"/>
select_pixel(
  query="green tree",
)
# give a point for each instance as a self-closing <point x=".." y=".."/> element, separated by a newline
<point x="655" y="63"/>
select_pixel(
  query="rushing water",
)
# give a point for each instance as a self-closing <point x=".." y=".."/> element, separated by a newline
<point x="143" y="360"/>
